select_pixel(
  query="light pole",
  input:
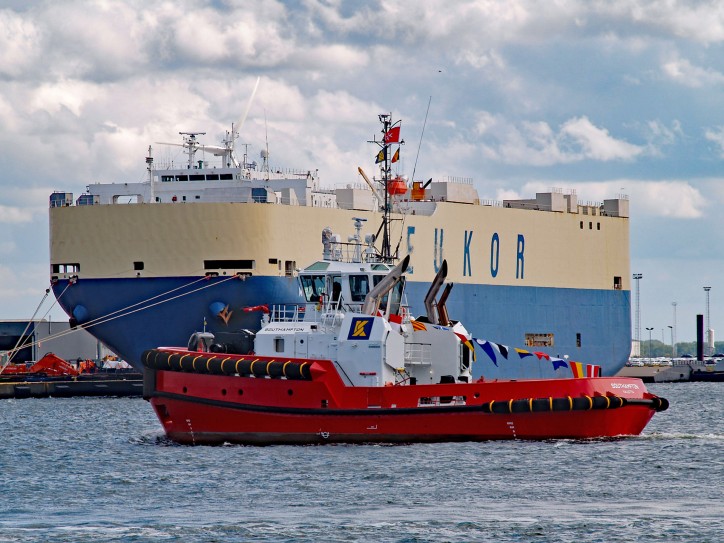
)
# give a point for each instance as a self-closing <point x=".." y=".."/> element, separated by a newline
<point x="707" y="333"/>
<point x="637" y="323"/>
<point x="673" y="337"/>
<point x="649" y="329"/>
<point x="672" y="342"/>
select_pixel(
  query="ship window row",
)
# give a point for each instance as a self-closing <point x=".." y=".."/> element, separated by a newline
<point x="198" y="177"/>
<point x="174" y="198"/>
<point x="65" y="268"/>
<point x="590" y="225"/>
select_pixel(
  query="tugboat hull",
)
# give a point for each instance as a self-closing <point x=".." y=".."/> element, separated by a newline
<point x="199" y="408"/>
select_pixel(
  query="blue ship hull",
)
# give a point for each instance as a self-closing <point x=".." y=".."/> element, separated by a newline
<point x="589" y="326"/>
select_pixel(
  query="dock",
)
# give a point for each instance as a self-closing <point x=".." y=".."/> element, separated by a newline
<point x="675" y="371"/>
<point x="97" y="384"/>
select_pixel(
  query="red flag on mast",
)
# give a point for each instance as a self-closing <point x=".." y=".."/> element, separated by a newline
<point x="392" y="135"/>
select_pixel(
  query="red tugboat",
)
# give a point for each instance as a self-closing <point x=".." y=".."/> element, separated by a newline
<point x="354" y="367"/>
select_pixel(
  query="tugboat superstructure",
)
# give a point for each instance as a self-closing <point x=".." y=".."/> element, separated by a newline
<point x="351" y="364"/>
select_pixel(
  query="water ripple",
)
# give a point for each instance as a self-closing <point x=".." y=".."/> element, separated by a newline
<point x="82" y="470"/>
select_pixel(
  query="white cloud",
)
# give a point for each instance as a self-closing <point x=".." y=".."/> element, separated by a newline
<point x="538" y="144"/>
<point x="717" y="136"/>
<point x="14" y="215"/>
<point x="662" y="134"/>
<point x="698" y="21"/>
<point x="674" y="199"/>
<point x="24" y="286"/>
<point x="254" y="36"/>
<point x="19" y="43"/>
<point x="72" y="95"/>
<point x="682" y="71"/>
<point x="596" y="143"/>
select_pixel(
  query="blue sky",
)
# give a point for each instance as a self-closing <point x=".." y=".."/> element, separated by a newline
<point x="605" y="97"/>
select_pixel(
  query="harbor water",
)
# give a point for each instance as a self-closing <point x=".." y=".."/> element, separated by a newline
<point x="100" y="469"/>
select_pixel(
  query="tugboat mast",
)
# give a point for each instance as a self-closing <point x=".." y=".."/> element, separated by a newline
<point x="383" y="158"/>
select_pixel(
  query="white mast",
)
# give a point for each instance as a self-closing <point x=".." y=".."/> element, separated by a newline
<point x="149" y="167"/>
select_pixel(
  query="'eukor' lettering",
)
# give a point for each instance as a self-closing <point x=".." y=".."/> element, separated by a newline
<point x="466" y="254"/>
<point x="410" y="248"/>
<point x="494" y="254"/>
<point x="438" y="258"/>
<point x="519" y="261"/>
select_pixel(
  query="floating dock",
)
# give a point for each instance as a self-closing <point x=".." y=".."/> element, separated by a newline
<point x="98" y="384"/>
<point x="693" y="371"/>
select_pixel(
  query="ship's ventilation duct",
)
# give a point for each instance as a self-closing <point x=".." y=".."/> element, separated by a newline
<point x="372" y="300"/>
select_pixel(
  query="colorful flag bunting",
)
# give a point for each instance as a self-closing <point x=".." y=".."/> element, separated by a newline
<point x="417" y="326"/>
<point x="593" y="370"/>
<point x="470" y="346"/>
<point x="465" y="341"/>
<point x="381" y="156"/>
<point x="503" y="350"/>
<point x="577" y="369"/>
<point x="396" y="156"/>
<point x="396" y="322"/>
<point x="488" y="348"/>
<point x="494" y="350"/>
<point x="392" y="135"/>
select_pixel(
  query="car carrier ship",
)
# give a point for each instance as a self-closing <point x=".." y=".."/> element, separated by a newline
<point x="195" y="246"/>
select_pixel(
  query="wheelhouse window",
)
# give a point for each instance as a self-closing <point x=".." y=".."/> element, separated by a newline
<point x="359" y="286"/>
<point x="335" y="287"/>
<point x="313" y="287"/>
<point x="395" y="296"/>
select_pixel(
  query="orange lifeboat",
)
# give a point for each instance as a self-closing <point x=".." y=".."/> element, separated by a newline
<point x="396" y="186"/>
<point x="418" y="193"/>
